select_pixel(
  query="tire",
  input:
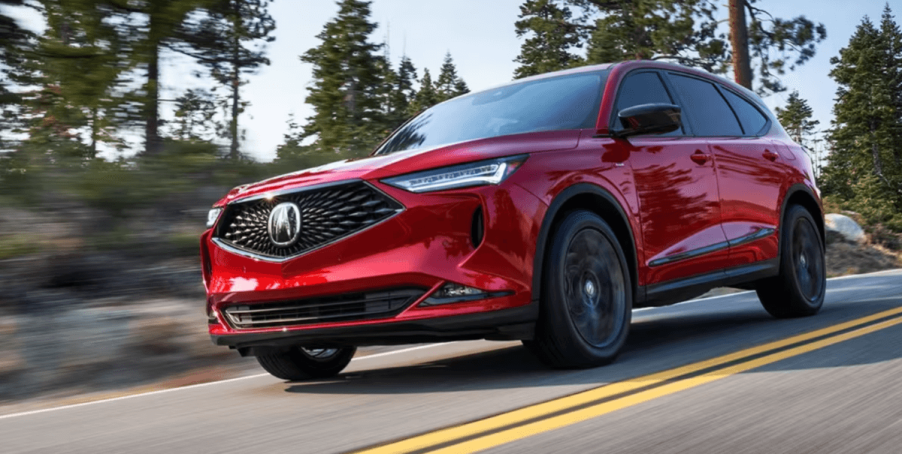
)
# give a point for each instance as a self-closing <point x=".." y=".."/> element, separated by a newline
<point x="799" y="289"/>
<point x="586" y="299"/>
<point x="300" y="363"/>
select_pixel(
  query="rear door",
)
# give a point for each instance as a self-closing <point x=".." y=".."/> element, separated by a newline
<point x="676" y="187"/>
<point x="748" y="167"/>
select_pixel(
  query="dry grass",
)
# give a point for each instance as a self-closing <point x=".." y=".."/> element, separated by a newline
<point x="848" y="258"/>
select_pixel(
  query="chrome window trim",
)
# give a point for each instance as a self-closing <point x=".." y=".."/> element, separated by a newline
<point x="262" y="258"/>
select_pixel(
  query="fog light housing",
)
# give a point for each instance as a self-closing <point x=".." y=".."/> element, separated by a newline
<point x="213" y="216"/>
<point x="456" y="293"/>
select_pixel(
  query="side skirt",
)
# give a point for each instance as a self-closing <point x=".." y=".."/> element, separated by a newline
<point x="677" y="290"/>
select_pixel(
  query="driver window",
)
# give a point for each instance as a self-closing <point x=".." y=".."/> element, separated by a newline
<point x="642" y="88"/>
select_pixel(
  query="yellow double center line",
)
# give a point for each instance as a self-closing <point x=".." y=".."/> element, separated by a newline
<point x="514" y="425"/>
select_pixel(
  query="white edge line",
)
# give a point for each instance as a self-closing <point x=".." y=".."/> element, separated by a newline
<point x="873" y="273"/>
<point x="201" y="385"/>
<point x="376" y="355"/>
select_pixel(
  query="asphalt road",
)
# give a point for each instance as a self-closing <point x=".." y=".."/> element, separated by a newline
<point x="778" y="390"/>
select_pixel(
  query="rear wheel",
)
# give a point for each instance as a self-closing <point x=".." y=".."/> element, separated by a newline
<point x="586" y="296"/>
<point x="800" y="287"/>
<point x="300" y="363"/>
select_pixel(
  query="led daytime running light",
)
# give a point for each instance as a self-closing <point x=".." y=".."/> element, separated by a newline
<point x="475" y="174"/>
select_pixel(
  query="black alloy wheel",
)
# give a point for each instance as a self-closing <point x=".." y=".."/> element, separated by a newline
<point x="800" y="287"/>
<point x="586" y="295"/>
<point x="594" y="288"/>
<point x="808" y="260"/>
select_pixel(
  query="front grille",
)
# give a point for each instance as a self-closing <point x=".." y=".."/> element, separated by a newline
<point x="350" y="307"/>
<point x="327" y="214"/>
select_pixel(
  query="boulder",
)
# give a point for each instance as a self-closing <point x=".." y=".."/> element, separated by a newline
<point x="844" y="227"/>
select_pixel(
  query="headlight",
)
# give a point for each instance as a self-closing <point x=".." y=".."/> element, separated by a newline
<point x="461" y="176"/>
<point x="212" y="216"/>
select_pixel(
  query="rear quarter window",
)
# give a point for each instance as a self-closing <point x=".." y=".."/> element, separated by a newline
<point x="750" y="117"/>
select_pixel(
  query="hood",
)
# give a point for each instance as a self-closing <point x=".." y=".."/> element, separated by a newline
<point x="377" y="167"/>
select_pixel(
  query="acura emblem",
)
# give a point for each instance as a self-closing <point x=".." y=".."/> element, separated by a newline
<point x="284" y="224"/>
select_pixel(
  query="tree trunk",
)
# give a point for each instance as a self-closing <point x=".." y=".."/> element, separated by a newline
<point x="739" y="41"/>
<point x="95" y="131"/>
<point x="875" y="152"/>
<point x="233" y="123"/>
<point x="236" y="85"/>
<point x="152" y="144"/>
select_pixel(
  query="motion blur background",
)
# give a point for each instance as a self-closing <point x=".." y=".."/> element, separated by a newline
<point x="123" y="121"/>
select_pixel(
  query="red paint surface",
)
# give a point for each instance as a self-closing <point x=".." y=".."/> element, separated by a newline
<point x="675" y="203"/>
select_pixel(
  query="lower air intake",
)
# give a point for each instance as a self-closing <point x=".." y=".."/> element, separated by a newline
<point x="349" y="307"/>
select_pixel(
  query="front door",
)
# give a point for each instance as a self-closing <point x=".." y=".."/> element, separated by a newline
<point x="680" y="208"/>
<point x="676" y="186"/>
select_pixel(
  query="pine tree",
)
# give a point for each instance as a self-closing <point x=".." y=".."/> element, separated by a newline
<point x="866" y="137"/>
<point x="195" y="113"/>
<point x="449" y="84"/>
<point x="552" y="34"/>
<point x="402" y="93"/>
<point x="683" y="30"/>
<point x="15" y="43"/>
<point x="398" y="91"/>
<point x="291" y="148"/>
<point x="796" y="118"/>
<point x="426" y="96"/>
<point x="82" y="61"/>
<point x="776" y="44"/>
<point x="347" y="83"/>
<point x="293" y="154"/>
<point x="231" y="40"/>
<point x="891" y="35"/>
<point x="150" y="27"/>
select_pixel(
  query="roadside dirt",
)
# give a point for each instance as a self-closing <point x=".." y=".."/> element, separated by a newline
<point x="847" y="258"/>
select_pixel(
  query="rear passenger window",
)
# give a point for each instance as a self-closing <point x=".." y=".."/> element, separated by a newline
<point x="708" y="111"/>
<point x="642" y="88"/>
<point x="751" y="118"/>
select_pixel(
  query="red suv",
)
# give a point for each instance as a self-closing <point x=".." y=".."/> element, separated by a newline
<point x="543" y="210"/>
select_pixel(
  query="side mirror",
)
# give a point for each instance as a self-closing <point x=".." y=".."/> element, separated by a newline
<point x="649" y="119"/>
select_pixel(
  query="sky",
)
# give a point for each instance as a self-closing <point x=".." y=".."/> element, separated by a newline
<point x="480" y="36"/>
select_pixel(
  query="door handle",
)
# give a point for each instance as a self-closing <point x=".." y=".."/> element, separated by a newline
<point x="699" y="158"/>
<point x="770" y="155"/>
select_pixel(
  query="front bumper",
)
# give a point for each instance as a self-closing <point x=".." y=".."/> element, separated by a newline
<point x="515" y="323"/>
<point x="425" y="246"/>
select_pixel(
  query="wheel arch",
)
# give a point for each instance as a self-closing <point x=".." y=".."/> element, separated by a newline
<point x="592" y="198"/>
<point x="802" y="195"/>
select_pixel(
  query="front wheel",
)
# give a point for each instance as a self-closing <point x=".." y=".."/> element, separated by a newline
<point x="586" y="295"/>
<point x="301" y="363"/>
<point x="800" y="287"/>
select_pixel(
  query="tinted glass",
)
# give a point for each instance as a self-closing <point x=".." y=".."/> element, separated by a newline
<point x="642" y="88"/>
<point x="702" y="103"/>
<point x="566" y="102"/>
<point x="751" y="118"/>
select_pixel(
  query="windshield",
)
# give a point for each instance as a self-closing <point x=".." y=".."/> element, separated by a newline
<point x="559" y="103"/>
